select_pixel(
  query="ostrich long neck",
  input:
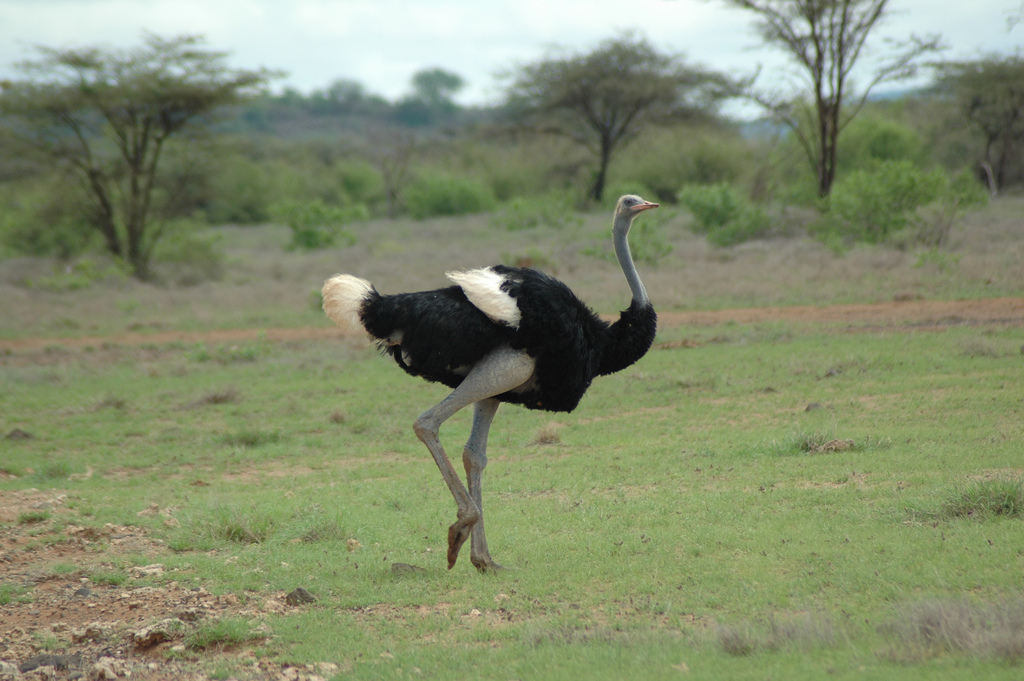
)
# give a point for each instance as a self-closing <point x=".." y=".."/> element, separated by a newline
<point x="620" y="231"/>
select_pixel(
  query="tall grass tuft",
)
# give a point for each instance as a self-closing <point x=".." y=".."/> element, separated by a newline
<point x="800" y="633"/>
<point x="998" y="497"/>
<point x="230" y="524"/>
<point x="222" y="633"/>
<point x="936" y="627"/>
<point x="816" y="442"/>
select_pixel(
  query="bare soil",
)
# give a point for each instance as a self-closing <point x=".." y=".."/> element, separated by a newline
<point x="61" y="622"/>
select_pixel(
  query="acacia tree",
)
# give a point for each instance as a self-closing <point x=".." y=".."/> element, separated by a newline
<point x="825" y="40"/>
<point x="605" y="98"/>
<point x="989" y="96"/>
<point x="106" y="117"/>
<point x="431" y="100"/>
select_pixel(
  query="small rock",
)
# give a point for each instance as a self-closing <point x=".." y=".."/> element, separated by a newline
<point x="813" y="406"/>
<point x="107" y="668"/>
<point x="189" y="614"/>
<point x="157" y="633"/>
<point x="154" y="570"/>
<point x="59" y="662"/>
<point x="19" y="434"/>
<point x="84" y="591"/>
<point x="299" y="596"/>
<point x="90" y="632"/>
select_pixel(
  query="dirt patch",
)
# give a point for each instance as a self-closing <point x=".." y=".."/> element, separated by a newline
<point x="909" y="314"/>
<point x="68" y="612"/>
<point x="906" y="314"/>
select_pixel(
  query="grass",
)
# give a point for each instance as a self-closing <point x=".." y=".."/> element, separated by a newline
<point x="933" y="628"/>
<point x="33" y="517"/>
<point x="224" y="632"/>
<point x="979" y="499"/>
<point x="672" y="520"/>
<point x="693" y="517"/>
<point x="13" y="593"/>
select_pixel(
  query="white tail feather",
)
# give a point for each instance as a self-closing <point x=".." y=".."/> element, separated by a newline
<point x="343" y="297"/>
<point x="483" y="288"/>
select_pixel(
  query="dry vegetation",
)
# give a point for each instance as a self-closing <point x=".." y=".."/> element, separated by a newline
<point x="264" y="286"/>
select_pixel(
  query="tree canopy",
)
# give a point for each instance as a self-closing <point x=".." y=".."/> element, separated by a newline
<point x="105" y="117"/>
<point x="989" y="96"/>
<point x="825" y="40"/>
<point x="604" y="98"/>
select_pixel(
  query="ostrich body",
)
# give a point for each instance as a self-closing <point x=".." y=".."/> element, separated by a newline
<point x="500" y="334"/>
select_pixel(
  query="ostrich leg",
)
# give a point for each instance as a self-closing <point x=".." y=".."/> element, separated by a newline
<point x="474" y="458"/>
<point x="500" y="371"/>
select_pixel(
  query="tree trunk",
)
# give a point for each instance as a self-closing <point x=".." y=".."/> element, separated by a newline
<point x="828" y="132"/>
<point x="597" y="191"/>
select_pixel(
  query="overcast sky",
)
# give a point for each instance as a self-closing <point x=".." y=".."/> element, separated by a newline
<point x="382" y="43"/>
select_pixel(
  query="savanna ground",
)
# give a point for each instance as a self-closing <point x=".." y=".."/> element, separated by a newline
<point x="816" y="471"/>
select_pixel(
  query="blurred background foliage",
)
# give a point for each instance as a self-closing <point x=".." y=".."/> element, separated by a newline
<point x="908" y="165"/>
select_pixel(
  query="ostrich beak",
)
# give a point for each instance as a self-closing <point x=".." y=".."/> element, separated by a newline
<point x="646" y="205"/>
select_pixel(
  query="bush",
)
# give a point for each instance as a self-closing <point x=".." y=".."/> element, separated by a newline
<point x="436" y="195"/>
<point x="551" y="210"/>
<point x="667" y="159"/>
<point x="317" y="225"/>
<point x="240" y="193"/>
<point x="360" y="183"/>
<point x="46" y="219"/>
<point x="188" y="254"/>
<point x="723" y="214"/>
<point x="79" y="274"/>
<point x="897" y="202"/>
<point x="869" y="140"/>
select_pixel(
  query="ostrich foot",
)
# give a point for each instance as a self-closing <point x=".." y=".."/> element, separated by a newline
<point x="458" y="533"/>
<point x="485" y="564"/>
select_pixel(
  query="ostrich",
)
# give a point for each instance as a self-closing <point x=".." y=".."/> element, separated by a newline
<point x="500" y="334"/>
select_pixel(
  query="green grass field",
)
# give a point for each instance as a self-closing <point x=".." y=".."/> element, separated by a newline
<point x="769" y="501"/>
<point x="692" y="514"/>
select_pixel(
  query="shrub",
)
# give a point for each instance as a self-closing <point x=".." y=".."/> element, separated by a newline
<point x="360" y="182"/>
<point x="870" y="139"/>
<point x="77" y="275"/>
<point x="436" y="195"/>
<point x="723" y="214"/>
<point x="46" y="219"/>
<point x="555" y="209"/>
<point x="240" y="192"/>
<point x="315" y="224"/>
<point x="188" y="254"/>
<point x="876" y="205"/>
<point x="870" y="205"/>
<point x="667" y="159"/>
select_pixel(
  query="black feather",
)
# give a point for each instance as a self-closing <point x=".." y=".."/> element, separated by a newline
<point x="442" y="334"/>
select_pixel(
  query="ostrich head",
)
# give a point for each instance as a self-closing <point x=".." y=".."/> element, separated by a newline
<point x="628" y="207"/>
